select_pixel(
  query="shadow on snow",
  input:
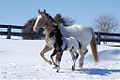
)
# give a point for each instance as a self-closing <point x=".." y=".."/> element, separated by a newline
<point x="95" y="71"/>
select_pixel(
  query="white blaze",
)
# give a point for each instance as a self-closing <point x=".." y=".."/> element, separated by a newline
<point x="36" y="23"/>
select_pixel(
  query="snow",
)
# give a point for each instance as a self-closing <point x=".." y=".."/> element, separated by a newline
<point x="20" y="60"/>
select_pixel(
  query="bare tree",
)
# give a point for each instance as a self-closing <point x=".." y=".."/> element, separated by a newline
<point x="106" y="23"/>
<point x="28" y="28"/>
<point x="69" y="21"/>
<point x="64" y="20"/>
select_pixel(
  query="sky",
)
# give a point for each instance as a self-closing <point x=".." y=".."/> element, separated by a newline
<point x="18" y="12"/>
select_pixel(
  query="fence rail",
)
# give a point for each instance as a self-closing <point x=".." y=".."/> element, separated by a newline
<point x="111" y="35"/>
<point x="9" y="32"/>
<point x="99" y="35"/>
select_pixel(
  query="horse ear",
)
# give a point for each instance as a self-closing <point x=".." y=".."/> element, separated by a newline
<point x="39" y="11"/>
<point x="44" y="11"/>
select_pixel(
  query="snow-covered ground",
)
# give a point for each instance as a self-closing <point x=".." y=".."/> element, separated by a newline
<point x="20" y="60"/>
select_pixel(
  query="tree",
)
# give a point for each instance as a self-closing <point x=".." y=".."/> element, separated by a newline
<point x="106" y="23"/>
<point x="28" y="28"/>
<point x="66" y="21"/>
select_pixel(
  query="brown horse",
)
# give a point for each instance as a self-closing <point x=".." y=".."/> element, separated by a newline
<point x="84" y="35"/>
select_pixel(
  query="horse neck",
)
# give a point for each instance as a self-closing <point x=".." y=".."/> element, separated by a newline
<point x="63" y="30"/>
<point x="48" y="26"/>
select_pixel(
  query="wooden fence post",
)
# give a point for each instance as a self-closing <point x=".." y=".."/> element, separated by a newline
<point x="9" y="32"/>
<point x="98" y="38"/>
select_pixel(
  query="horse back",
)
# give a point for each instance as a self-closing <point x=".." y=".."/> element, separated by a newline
<point x="81" y="33"/>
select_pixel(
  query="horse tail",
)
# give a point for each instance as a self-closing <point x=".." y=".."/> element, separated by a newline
<point x="94" y="46"/>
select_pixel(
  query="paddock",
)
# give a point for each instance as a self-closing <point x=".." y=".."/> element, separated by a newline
<point x="20" y="59"/>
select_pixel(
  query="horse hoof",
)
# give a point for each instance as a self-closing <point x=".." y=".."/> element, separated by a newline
<point x="56" y="66"/>
<point x="57" y="71"/>
<point x="73" y="68"/>
<point x="50" y="62"/>
<point x="81" y="66"/>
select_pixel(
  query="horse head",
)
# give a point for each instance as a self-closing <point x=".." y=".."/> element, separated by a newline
<point x="42" y="20"/>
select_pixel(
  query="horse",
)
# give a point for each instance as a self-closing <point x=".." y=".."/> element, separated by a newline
<point x="84" y="35"/>
<point x="62" y="44"/>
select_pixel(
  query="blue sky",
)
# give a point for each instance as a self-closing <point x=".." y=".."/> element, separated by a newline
<point x="17" y="12"/>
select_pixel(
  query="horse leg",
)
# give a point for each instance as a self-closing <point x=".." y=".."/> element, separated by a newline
<point x="81" y="60"/>
<point x="59" y="60"/>
<point x="56" y="59"/>
<point x="46" y="49"/>
<point x="53" y="54"/>
<point x="75" y="53"/>
<point x="73" y="59"/>
<point x="72" y="55"/>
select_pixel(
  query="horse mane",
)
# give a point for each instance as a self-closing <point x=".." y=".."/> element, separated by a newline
<point x="50" y="17"/>
<point x="59" y="41"/>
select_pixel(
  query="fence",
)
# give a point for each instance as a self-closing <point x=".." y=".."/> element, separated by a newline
<point x="109" y="35"/>
<point x="99" y="35"/>
<point x="9" y="32"/>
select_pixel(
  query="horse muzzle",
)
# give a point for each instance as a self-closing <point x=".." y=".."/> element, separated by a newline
<point x="35" y="28"/>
